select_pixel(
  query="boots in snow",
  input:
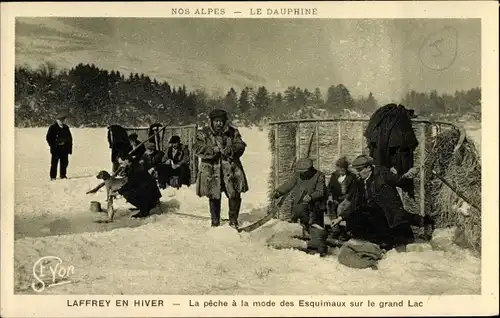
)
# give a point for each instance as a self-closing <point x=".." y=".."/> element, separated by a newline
<point x="234" y="212"/>
<point x="318" y="240"/>
<point x="215" y="211"/>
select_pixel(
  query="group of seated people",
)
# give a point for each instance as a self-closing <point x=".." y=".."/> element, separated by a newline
<point x="148" y="169"/>
<point x="361" y="199"/>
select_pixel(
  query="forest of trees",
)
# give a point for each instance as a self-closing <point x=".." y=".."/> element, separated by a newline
<point x="95" y="97"/>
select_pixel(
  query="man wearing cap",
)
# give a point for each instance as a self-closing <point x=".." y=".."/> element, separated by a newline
<point x="176" y="171"/>
<point x="60" y="141"/>
<point x="340" y="188"/>
<point x="220" y="147"/>
<point x="309" y="202"/>
<point x="376" y="212"/>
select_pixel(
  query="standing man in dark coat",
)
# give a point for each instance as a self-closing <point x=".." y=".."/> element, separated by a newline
<point x="60" y="141"/>
<point x="140" y="188"/>
<point x="220" y="147"/>
<point x="376" y="213"/>
<point x="309" y="202"/>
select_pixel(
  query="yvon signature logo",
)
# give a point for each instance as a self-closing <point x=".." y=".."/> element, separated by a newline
<point x="50" y="271"/>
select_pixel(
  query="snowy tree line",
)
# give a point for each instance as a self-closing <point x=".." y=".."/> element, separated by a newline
<point x="96" y="97"/>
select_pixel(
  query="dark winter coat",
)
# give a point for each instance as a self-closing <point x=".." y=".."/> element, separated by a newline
<point x="59" y="138"/>
<point x="140" y="189"/>
<point x="138" y="150"/>
<point x="380" y="193"/>
<point x="151" y="160"/>
<point x="217" y="172"/>
<point x="315" y="187"/>
<point x="392" y="141"/>
<point x="338" y="191"/>
<point x="118" y="141"/>
<point x="182" y="157"/>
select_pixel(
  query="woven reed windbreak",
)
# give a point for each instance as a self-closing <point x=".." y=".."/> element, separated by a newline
<point x="341" y="137"/>
<point x="186" y="133"/>
<point x="462" y="169"/>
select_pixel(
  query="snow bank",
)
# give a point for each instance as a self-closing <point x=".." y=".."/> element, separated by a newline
<point x="172" y="254"/>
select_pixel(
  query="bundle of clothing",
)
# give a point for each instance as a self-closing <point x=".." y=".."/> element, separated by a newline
<point x="392" y="141"/>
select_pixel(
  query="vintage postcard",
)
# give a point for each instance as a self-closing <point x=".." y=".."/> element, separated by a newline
<point x="227" y="159"/>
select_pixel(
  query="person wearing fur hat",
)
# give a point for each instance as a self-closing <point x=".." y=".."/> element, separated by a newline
<point x="376" y="212"/>
<point x="220" y="147"/>
<point x="60" y="141"/>
<point x="309" y="202"/>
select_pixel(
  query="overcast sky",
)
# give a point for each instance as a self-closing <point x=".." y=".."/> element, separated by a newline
<point x="387" y="57"/>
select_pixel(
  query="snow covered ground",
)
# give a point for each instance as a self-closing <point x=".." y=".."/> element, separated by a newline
<point x="172" y="254"/>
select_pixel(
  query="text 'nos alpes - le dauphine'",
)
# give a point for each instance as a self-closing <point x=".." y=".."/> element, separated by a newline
<point x="253" y="11"/>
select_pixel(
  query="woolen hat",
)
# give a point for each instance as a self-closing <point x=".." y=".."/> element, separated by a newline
<point x="174" y="139"/>
<point x="362" y="161"/>
<point x="133" y="136"/>
<point x="150" y="146"/>
<point x="342" y="162"/>
<point x="304" y="164"/>
<point x="62" y="115"/>
<point x="218" y="113"/>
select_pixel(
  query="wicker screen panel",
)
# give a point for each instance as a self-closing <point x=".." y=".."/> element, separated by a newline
<point x="286" y="149"/>
<point x="329" y="144"/>
<point x="352" y="139"/>
<point x="344" y="137"/>
<point x="142" y="133"/>
<point x="186" y="133"/>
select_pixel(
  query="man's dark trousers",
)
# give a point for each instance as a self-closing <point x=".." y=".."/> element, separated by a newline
<point x="59" y="155"/>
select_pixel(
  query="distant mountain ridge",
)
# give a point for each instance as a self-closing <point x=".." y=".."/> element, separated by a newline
<point x="41" y="40"/>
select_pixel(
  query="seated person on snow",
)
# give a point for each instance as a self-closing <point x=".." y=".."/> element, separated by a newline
<point x="309" y="202"/>
<point x="175" y="170"/>
<point x="151" y="158"/>
<point x="340" y="186"/>
<point x="376" y="213"/>
<point x="138" y="150"/>
<point x="141" y="189"/>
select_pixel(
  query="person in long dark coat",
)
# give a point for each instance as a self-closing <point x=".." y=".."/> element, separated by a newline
<point x="140" y="189"/>
<point x="392" y="141"/>
<point x="309" y="202"/>
<point x="220" y="147"/>
<point x="60" y="141"/>
<point x="118" y="143"/>
<point x="376" y="212"/>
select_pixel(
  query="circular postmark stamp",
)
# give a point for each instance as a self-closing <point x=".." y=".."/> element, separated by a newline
<point x="440" y="49"/>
